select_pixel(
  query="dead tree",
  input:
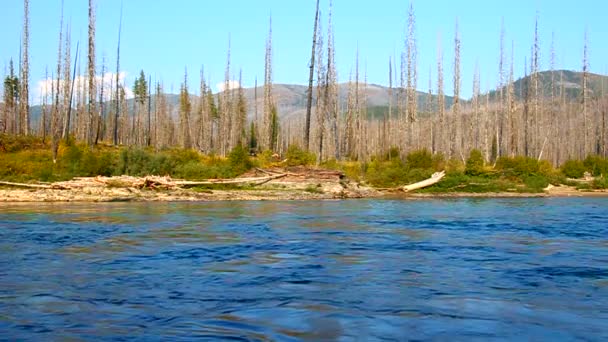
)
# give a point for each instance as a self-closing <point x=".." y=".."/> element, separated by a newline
<point x="310" y="80"/>
<point x="91" y="109"/>
<point x="24" y="105"/>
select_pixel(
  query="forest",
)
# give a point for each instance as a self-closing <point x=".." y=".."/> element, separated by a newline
<point x="540" y="129"/>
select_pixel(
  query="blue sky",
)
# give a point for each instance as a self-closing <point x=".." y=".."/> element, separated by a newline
<point x="165" y="37"/>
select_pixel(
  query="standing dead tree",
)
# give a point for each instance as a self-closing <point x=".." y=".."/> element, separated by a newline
<point x="117" y="85"/>
<point x="91" y="108"/>
<point x="24" y="93"/>
<point x="310" y="80"/>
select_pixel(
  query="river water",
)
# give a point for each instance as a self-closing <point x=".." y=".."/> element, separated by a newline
<point x="359" y="270"/>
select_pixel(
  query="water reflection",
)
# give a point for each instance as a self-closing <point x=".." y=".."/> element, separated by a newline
<point x="344" y="270"/>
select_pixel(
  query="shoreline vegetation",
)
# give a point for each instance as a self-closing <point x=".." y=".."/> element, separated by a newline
<point x="109" y="174"/>
<point x="543" y="133"/>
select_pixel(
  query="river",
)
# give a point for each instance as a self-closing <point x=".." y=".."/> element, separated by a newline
<point x="355" y="270"/>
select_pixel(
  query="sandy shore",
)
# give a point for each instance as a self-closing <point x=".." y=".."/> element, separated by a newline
<point x="271" y="191"/>
<point x="274" y="191"/>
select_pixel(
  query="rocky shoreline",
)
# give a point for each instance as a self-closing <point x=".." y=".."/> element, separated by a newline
<point x="277" y="184"/>
<point x="277" y="191"/>
<point x="301" y="184"/>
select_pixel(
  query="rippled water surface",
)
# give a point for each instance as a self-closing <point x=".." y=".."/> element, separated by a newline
<point x="517" y="269"/>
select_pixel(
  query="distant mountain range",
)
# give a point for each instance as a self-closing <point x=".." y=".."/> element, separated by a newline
<point x="291" y="98"/>
<point x="570" y="81"/>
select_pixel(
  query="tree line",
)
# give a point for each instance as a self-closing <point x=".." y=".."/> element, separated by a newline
<point x="540" y="121"/>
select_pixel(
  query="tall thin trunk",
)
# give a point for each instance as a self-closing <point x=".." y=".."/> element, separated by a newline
<point x="456" y="106"/>
<point x="24" y="105"/>
<point x="310" y="80"/>
<point x="585" y="99"/>
<point x="116" y="96"/>
<point x="92" y="110"/>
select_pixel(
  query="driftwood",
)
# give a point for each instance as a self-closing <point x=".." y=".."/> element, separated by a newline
<point x="148" y="182"/>
<point x="34" y="186"/>
<point x="248" y="180"/>
<point x="435" y="178"/>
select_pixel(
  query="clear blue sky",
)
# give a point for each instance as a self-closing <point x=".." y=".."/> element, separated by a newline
<point x="164" y="37"/>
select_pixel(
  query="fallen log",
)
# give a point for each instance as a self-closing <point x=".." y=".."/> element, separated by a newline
<point x="252" y="180"/>
<point x="435" y="178"/>
<point x="34" y="186"/>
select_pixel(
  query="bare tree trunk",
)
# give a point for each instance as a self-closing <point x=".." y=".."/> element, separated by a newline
<point x="67" y="86"/>
<point x="411" y="105"/>
<point x="55" y="119"/>
<point x="117" y="97"/>
<point x="24" y="105"/>
<point x="92" y="110"/>
<point x="456" y="106"/>
<point x="585" y="99"/>
<point x="440" y="100"/>
<point x="310" y="80"/>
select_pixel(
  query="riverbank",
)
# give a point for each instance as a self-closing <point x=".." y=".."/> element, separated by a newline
<point x="298" y="184"/>
<point x="288" y="188"/>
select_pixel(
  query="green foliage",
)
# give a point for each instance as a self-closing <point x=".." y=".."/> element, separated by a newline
<point x="597" y="165"/>
<point x="353" y="170"/>
<point x="573" y="169"/>
<point x="314" y="189"/>
<point x="25" y="159"/>
<point x="393" y="152"/>
<point x="422" y="159"/>
<point x="439" y="162"/>
<point x="454" y="166"/>
<point x="140" y="88"/>
<point x="16" y="143"/>
<point x="265" y="159"/>
<point x="475" y="163"/>
<point x="600" y="183"/>
<point x="253" y="139"/>
<point x="394" y="173"/>
<point x="460" y="182"/>
<point x="518" y="166"/>
<point x="297" y="156"/>
<point x="11" y="88"/>
<point x="239" y="160"/>
<point x="274" y="128"/>
<point x="536" y="183"/>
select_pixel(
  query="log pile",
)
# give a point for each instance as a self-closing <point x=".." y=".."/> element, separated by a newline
<point x="301" y="174"/>
<point x="148" y="182"/>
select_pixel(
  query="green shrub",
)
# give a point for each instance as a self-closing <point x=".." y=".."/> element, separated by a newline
<point x="597" y="165"/>
<point x="183" y="156"/>
<point x="422" y="159"/>
<point x="439" y="162"/>
<point x="519" y="166"/>
<point x="239" y="160"/>
<point x="15" y="143"/>
<point x="353" y="170"/>
<point x="573" y="169"/>
<point x="393" y="153"/>
<point x="536" y="183"/>
<point x="264" y="159"/>
<point x="314" y="189"/>
<point x="600" y="183"/>
<point x="475" y="163"/>
<point x="194" y="170"/>
<point x="453" y="181"/>
<point x="454" y="166"/>
<point x="296" y="156"/>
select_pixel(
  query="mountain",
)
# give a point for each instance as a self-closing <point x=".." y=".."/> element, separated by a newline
<point x="291" y="98"/>
<point x="570" y="81"/>
<point x="291" y="101"/>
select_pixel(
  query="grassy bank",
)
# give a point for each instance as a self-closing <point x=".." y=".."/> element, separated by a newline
<point x="475" y="175"/>
<point x="25" y="159"/>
